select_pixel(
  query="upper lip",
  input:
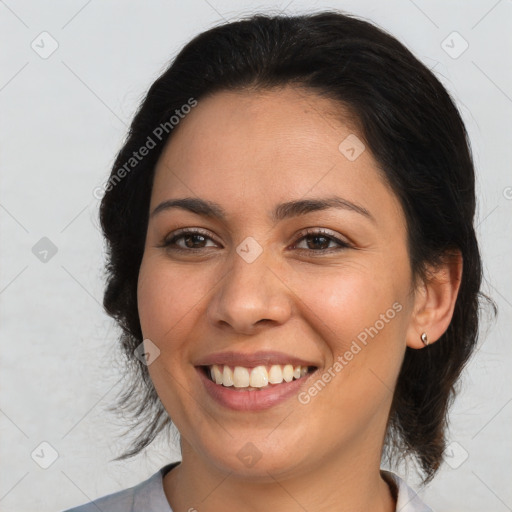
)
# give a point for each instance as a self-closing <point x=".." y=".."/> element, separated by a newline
<point x="262" y="358"/>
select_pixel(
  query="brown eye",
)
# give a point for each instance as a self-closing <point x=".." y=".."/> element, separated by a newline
<point x="318" y="241"/>
<point x="188" y="240"/>
<point x="193" y="241"/>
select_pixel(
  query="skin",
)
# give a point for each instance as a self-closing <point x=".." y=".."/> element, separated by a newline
<point x="248" y="152"/>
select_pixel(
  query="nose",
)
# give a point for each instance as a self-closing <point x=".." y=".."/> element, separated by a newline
<point x="250" y="296"/>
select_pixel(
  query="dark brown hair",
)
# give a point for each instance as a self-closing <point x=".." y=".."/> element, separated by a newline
<point x="414" y="131"/>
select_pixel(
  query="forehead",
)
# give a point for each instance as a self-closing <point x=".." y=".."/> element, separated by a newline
<point x="238" y="147"/>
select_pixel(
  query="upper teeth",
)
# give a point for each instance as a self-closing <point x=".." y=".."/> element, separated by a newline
<point x="257" y="377"/>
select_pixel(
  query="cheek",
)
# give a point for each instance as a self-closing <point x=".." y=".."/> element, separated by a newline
<point x="343" y="302"/>
<point x="166" y="297"/>
<point x="166" y="300"/>
<point x="363" y="351"/>
<point x="359" y="316"/>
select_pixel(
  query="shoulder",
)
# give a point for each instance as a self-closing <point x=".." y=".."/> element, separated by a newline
<point x="148" y="495"/>
<point x="407" y="500"/>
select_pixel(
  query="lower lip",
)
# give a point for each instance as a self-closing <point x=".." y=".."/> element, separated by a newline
<point x="255" y="400"/>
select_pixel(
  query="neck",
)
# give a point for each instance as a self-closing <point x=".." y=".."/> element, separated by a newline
<point x="331" y="486"/>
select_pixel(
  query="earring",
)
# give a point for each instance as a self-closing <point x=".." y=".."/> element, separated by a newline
<point x="424" y="338"/>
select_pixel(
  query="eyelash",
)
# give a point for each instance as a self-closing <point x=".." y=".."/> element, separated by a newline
<point x="170" y="243"/>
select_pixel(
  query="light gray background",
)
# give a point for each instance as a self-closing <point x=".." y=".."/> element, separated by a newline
<point x="62" y="120"/>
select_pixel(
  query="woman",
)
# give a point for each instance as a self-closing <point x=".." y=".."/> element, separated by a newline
<point x="293" y="262"/>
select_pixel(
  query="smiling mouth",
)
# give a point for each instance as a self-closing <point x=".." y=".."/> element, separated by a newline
<point x="241" y="378"/>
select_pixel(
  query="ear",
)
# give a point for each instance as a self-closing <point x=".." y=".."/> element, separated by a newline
<point x="434" y="300"/>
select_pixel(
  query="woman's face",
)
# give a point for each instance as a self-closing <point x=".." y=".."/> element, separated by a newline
<point x="273" y="279"/>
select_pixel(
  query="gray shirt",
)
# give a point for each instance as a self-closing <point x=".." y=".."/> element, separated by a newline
<point x="149" y="496"/>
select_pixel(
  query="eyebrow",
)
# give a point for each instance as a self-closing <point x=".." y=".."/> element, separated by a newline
<point x="282" y="211"/>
